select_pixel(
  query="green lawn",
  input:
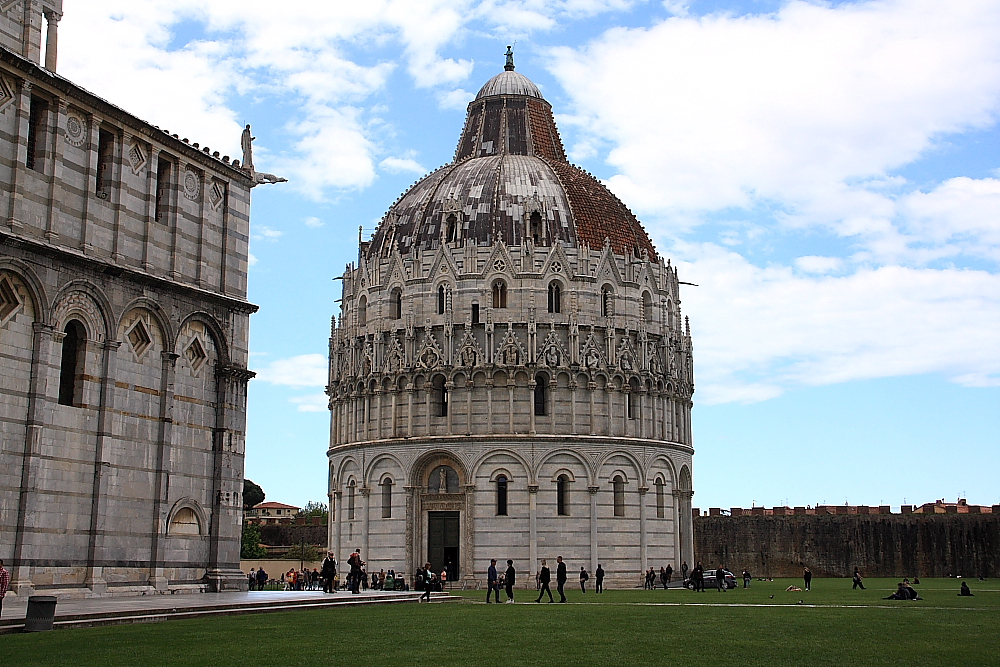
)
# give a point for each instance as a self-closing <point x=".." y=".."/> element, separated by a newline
<point x="617" y="628"/>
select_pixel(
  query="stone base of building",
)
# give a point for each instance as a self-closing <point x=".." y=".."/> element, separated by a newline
<point x="83" y="592"/>
<point x="226" y="580"/>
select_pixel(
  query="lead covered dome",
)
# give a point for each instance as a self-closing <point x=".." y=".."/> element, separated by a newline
<point x="510" y="180"/>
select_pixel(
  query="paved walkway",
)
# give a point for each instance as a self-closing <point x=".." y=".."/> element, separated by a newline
<point x="150" y="608"/>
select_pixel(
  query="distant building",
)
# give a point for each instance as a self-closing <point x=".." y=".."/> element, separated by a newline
<point x="269" y="512"/>
<point x="123" y="338"/>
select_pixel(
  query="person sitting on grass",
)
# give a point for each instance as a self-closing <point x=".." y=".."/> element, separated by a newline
<point x="965" y="592"/>
<point x="904" y="592"/>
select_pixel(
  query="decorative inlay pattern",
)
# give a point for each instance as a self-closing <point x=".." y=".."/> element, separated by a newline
<point x="76" y="129"/>
<point x="192" y="185"/>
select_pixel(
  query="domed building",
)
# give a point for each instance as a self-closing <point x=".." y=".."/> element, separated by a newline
<point x="510" y="376"/>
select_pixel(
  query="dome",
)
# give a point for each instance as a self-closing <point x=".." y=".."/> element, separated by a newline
<point x="509" y="83"/>
<point x="510" y="179"/>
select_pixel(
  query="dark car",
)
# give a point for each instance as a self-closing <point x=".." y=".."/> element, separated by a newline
<point x="710" y="580"/>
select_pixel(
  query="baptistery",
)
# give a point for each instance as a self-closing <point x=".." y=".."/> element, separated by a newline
<point x="510" y="374"/>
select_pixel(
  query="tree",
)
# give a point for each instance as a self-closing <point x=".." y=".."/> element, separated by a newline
<point x="250" y="542"/>
<point x="303" y="553"/>
<point x="313" y="508"/>
<point x="252" y="494"/>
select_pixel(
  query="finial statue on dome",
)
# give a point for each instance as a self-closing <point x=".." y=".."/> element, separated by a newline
<point x="510" y="60"/>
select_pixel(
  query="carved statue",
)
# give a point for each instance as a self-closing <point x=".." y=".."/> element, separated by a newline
<point x="469" y="356"/>
<point x="552" y="357"/>
<point x="593" y="360"/>
<point x="263" y="179"/>
<point x="246" y="141"/>
<point x="443" y="480"/>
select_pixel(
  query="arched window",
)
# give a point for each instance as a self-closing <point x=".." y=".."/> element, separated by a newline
<point x="607" y="302"/>
<point x="562" y="495"/>
<point x="350" y="500"/>
<point x="475" y="312"/>
<point x="440" y="396"/>
<point x="71" y="363"/>
<point x="555" y="297"/>
<point x="499" y="294"/>
<point x="631" y="397"/>
<point x="661" y="500"/>
<point x="362" y="311"/>
<point x="647" y="307"/>
<point x="619" y="489"/>
<point x="541" y="394"/>
<point x="535" y="227"/>
<point x="441" y="299"/>
<point x="450" y="224"/>
<point x="502" y="495"/>
<point x="387" y="498"/>
<point x="396" y="303"/>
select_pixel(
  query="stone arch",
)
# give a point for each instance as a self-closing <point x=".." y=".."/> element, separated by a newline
<point x="668" y="464"/>
<point x="378" y="459"/>
<point x="429" y="460"/>
<point x="34" y="287"/>
<point x="341" y="480"/>
<point x="563" y="450"/>
<point x="94" y="309"/>
<point x="632" y="459"/>
<point x="177" y="514"/>
<point x="528" y="472"/>
<point x="684" y="478"/>
<point x="158" y="314"/>
<point x="216" y="331"/>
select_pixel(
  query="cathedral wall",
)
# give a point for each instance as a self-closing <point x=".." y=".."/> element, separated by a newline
<point x="135" y="463"/>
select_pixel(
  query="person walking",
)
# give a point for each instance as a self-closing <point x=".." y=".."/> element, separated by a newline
<point x="355" y="562"/>
<point x="807" y="577"/>
<point x="599" y="579"/>
<point x="428" y="581"/>
<point x="544" y="577"/>
<point x="560" y="578"/>
<point x="583" y="579"/>
<point x="670" y="572"/>
<point x="857" y="581"/>
<point x="491" y="581"/>
<point x="720" y="579"/>
<point x="746" y="578"/>
<point x="252" y="578"/>
<point x="509" y="577"/>
<point x="4" y="583"/>
<point x="328" y="572"/>
<point x="684" y="570"/>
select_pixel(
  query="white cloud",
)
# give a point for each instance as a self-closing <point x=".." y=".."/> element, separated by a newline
<point x="817" y="264"/>
<point x="455" y="99"/>
<point x="304" y="370"/>
<point x="313" y="222"/>
<point x="265" y="233"/>
<point x="395" y="165"/>
<point x="758" y="331"/>
<point x="718" y="111"/>
<point x="251" y="259"/>
<point x="962" y="215"/>
<point x="311" y="403"/>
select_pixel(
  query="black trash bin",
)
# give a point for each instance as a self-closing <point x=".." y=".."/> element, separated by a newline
<point x="41" y="613"/>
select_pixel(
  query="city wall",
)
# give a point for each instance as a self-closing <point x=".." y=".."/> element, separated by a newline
<point x="880" y="545"/>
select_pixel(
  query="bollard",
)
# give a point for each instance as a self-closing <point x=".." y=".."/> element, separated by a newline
<point x="41" y="613"/>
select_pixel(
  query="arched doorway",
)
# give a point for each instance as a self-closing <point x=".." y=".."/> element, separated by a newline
<point x="442" y="526"/>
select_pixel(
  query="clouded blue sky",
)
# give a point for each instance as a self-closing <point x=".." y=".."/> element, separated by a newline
<point x="828" y="173"/>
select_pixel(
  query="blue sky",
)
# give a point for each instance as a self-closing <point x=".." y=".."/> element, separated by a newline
<point x="828" y="173"/>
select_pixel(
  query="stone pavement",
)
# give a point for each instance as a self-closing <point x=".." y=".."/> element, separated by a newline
<point x="153" y="608"/>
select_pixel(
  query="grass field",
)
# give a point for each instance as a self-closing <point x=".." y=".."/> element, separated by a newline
<point x="833" y="626"/>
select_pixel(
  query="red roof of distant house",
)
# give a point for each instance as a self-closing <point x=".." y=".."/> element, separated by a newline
<point x="274" y="506"/>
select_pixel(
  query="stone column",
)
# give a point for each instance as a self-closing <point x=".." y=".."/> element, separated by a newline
<point x="60" y="108"/>
<point x="366" y="492"/>
<point x="533" y="525"/>
<point x="226" y="525"/>
<point x="338" y="498"/>
<point x="52" y="39"/>
<point x="15" y="212"/>
<point x="168" y="367"/>
<point x="532" y="383"/>
<point x="150" y="218"/>
<point x="469" y="535"/>
<point x="683" y="528"/>
<point x="42" y="353"/>
<point x="594" y="552"/>
<point x="411" y="532"/>
<point x="643" y="542"/>
<point x="90" y="177"/>
<point x="95" y="549"/>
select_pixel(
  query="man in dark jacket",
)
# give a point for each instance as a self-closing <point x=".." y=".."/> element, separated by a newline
<point x="491" y="581"/>
<point x="328" y="572"/>
<point x="508" y="579"/>
<point x="670" y="572"/>
<point x="355" y="562"/>
<point x="720" y="579"/>
<point x="561" y="578"/>
<point x="599" y="579"/>
<point x="544" y="577"/>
